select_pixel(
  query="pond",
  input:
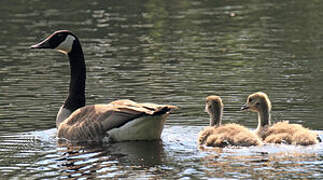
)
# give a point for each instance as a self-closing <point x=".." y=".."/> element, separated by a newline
<point x="166" y="52"/>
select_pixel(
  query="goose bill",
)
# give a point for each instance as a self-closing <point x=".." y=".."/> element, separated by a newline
<point x="42" y="45"/>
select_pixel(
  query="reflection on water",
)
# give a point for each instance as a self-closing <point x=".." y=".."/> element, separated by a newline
<point x="273" y="165"/>
<point x="176" y="156"/>
<point x="170" y="53"/>
<point x="105" y="161"/>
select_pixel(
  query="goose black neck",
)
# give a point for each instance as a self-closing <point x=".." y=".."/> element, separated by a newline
<point x="76" y="96"/>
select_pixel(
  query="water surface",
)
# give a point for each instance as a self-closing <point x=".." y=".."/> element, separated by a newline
<point x="164" y="52"/>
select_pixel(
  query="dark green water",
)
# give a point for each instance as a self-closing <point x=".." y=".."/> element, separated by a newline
<point x="174" y="52"/>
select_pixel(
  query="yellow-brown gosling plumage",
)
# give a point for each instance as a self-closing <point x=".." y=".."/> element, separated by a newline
<point x="281" y="132"/>
<point x="119" y="120"/>
<point x="217" y="135"/>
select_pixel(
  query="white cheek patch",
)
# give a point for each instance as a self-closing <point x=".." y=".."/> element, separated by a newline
<point x="66" y="46"/>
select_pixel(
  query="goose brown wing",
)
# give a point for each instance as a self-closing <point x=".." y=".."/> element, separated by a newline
<point x="127" y="110"/>
<point x="91" y="122"/>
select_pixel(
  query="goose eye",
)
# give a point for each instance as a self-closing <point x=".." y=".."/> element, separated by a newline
<point x="250" y="99"/>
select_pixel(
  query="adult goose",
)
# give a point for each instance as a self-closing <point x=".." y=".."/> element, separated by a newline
<point x="119" y="120"/>
<point x="281" y="132"/>
<point x="218" y="135"/>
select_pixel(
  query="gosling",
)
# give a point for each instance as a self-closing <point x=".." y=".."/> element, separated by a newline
<point x="281" y="132"/>
<point x="217" y="135"/>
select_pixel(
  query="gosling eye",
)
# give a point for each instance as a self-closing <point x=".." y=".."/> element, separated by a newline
<point x="250" y="99"/>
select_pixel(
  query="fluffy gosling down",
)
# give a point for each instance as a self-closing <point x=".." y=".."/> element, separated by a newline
<point x="281" y="132"/>
<point x="119" y="120"/>
<point x="218" y="135"/>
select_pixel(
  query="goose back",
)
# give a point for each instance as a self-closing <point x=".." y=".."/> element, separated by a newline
<point x="94" y="122"/>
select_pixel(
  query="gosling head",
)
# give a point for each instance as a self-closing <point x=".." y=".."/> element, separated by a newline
<point x="257" y="102"/>
<point x="214" y="107"/>
<point x="61" y="41"/>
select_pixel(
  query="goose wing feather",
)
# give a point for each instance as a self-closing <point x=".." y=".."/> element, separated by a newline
<point x="91" y="122"/>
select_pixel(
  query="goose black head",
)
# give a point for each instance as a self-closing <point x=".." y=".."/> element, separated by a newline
<point x="61" y="40"/>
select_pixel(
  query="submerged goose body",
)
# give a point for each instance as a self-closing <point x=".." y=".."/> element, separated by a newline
<point x="119" y="120"/>
<point x="218" y="135"/>
<point x="281" y="132"/>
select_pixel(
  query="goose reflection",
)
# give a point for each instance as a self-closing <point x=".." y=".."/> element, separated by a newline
<point x="94" y="160"/>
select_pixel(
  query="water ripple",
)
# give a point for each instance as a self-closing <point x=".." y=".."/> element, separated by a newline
<point x="164" y="52"/>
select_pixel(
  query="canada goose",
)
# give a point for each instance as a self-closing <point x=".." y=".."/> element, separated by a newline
<point x="281" y="132"/>
<point x="119" y="120"/>
<point x="218" y="135"/>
